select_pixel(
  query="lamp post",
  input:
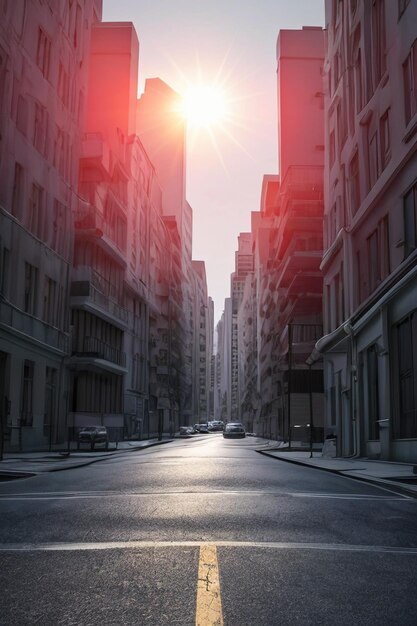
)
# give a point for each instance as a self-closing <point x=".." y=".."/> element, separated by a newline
<point x="310" y="393"/>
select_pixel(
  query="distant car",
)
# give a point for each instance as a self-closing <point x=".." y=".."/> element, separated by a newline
<point x="186" y="431"/>
<point x="203" y="428"/>
<point x="234" y="429"/>
<point x="217" y="425"/>
<point x="93" y="435"/>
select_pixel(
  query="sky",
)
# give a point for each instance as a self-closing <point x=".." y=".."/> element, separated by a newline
<point x="228" y="46"/>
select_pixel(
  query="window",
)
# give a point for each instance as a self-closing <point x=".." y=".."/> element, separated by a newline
<point x="18" y="191"/>
<point x="40" y="129"/>
<point x="358" y="73"/>
<point x="383" y="235"/>
<point x="31" y="279"/>
<point x="37" y="211"/>
<point x="372" y="388"/>
<point x="354" y="184"/>
<point x="410" y="83"/>
<point x="378" y="41"/>
<point x="410" y="220"/>
<point x="342" y="130"/>
<point x="43" y="54"/>
<point x="49" y="299"/>
<point x="378" y="254"/>
<point x="5" y="272"/>
<point x="63" y="85"/>
<point x="50" y="401"/>
<point x="60" y="241"/>
<point x="385" y="142"/>
<point x="405" y="417"/>
<point x="373" y="159"/>
<point x="26" y="410"/>
<point x="373" y="261"/>
<point x="332" y="149"/>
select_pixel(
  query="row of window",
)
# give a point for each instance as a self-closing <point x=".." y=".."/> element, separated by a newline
<point x="41" y="298"/>
<point x="27" y="397"/>
<point x="52" y="142"/>
<point x="404" y="379"/>
<point x="46" y="220"/>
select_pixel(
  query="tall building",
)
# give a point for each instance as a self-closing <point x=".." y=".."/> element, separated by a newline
<point x="243" y="267"/>
<point x="286" y="289"/>
<point x="161" y="129"/>
<point x="370" y="264"/>
<point x="104" y="305"/>
<point x="97" y="287"/>
<point x="43" y="86"/>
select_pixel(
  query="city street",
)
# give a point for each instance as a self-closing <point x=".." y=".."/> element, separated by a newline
<point x="203" y="531"/>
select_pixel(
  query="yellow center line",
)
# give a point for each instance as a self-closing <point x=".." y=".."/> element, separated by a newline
<point x="209" y="605"/>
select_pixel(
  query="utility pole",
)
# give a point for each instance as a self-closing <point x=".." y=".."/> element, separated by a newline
<point x="289" y="381"/>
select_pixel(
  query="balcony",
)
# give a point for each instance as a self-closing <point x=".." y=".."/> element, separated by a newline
<point x="95" y="153"/>
<point x="298" y="261"/>
<point x="95" y="354"/>
<point x="90" y="224"/>
<point x="305" y="283"/>
<point x="31" y="329"/>
<point x="93" y="293"/>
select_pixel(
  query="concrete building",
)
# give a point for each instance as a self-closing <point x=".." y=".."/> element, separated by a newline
<point x="96" y="325"/>
<point x="103" y="304"/>
<point x="43" y="84"/>
<point x="243" y="267"/>
<point x="370" y="263"/>
<point x="287" y="250"/>
<point x="223" y="392"/>
<point x="162" y="132"/>
<point x="203" y="345"/>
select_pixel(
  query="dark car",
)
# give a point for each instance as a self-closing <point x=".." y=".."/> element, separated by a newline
<point x="234" y="429"/>
<point x="93" y="435"/>
<point x="217" y="425"/>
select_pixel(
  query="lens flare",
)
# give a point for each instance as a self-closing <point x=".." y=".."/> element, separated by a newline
<point x="204" y="106"/>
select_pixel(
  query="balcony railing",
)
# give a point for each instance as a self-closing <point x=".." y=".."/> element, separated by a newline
<point x="99" y="349"/>
<point x="33" y="327"/>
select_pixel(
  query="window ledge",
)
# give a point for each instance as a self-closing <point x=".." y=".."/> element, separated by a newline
<point x="410" y="132"/>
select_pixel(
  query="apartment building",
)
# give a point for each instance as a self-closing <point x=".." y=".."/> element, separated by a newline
<point x="278" y="390"/>
<point x="243" y="267"/>
<point x="96" y="277"/>
<point x="43" y="85"/>
<point x="369" y="263"/>
<point x="162" y="132"/>
<point x="203" y="345"/>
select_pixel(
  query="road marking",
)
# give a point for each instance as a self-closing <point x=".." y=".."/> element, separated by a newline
<point x="209" y="604"/>
<point x="272" y="545"/>
<point x="69" y="495"/>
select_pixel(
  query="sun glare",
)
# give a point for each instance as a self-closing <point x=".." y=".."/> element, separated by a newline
<point x="204" y="106"/>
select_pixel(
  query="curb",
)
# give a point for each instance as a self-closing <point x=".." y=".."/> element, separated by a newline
<point x="379" y="482"/>
<point x="77" y="464"/>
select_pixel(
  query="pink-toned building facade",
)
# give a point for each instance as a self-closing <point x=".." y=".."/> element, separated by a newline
<point x="95" y="252"/>
<point x="369" y="263"/>
<point x="287" y="251"/>
<point x="43" y="84"/>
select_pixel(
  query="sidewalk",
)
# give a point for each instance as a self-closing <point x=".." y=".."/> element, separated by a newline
<point x="22" y="464"/>
<point x="398" y="477"/>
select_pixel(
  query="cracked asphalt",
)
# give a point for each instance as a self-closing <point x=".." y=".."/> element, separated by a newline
<point x="119" y="542"/>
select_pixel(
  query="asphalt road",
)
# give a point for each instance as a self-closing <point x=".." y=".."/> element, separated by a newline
<point x="126" y="541"/>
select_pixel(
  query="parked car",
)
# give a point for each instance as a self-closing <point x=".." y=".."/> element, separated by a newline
<point x="186" y="431"/>
<point x="234" y="429"/>
<point x="216" y="425"/>
<point x="93" y="435"/>
<point x="203" y="428"/>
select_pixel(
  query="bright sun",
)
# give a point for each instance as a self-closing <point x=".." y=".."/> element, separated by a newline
<point x="204" y="107"/>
